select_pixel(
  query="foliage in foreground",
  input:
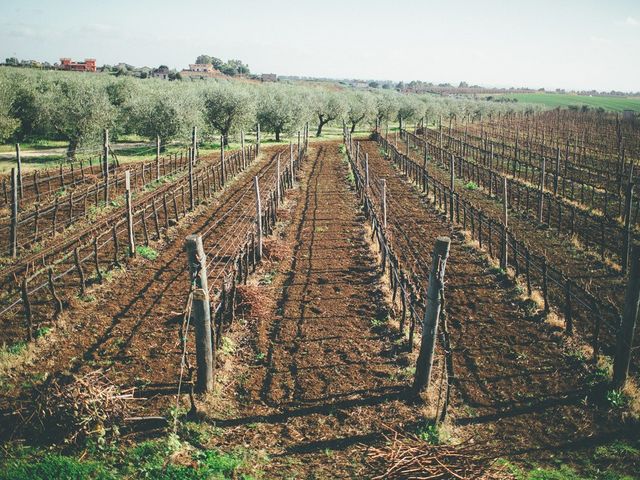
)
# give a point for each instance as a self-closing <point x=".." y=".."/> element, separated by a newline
<point x="167" y="458"/>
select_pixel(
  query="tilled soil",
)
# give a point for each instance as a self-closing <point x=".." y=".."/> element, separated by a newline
<point x="585" y="268"/>
<point x="513" y="374"/>
<point x="325" y="379"/>
<point x="131" y="328"/>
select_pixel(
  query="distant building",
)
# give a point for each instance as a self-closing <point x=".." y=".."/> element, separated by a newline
<point x="201" y="67"/>
<point x="162" y="72"/>
<point x="269" y="77"/>
<point x="89" y="65"/>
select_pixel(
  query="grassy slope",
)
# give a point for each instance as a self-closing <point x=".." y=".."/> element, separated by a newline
<point x="616" y="104"/>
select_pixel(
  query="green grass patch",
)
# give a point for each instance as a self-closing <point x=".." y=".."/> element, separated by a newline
<point x="146" y="252"/>
<point x="471" y="185"/>
<point x="611" y="103"/>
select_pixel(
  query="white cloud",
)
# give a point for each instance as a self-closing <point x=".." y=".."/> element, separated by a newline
<point x="632" y="22"/>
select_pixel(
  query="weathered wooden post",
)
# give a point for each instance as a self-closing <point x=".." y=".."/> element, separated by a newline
<point x="278" y="183"/>
<point x="192" y="203"/>
<point x="626" y="239"/>
<point x="157" y="157"/>
<point x="13" y="239"/>
<point x="541" y="202"/>
<point x="299" y="146"/>
<point x="200" y="313"/>
<point x="557" y="172"/>
<point x="194" y="151"/>
<point x="366" y="172"/>
<point x="452" y="185"/>
<point x="19" y="161"/>
<point x="105" y="164"/>
<point x="127" y="198"/>
<point x="258" y="140"/>
<point x="624" y="341"/>
<point x="505" y="219"/>
<point x="384" y="203"/>
<point x="222" y="167"/>
<point x="424" y="363"/>
<point x="258" y="216"/>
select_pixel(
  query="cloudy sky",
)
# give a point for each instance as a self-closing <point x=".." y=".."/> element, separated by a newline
<point x="580" y="44"/>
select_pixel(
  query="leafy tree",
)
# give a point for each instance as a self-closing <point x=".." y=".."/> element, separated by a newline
<point x="203" y="59"/>
<point x="374" y="84"/>
<point x="280" y="109"/>
<point x="228" y="108"/>
<point x="327" y="107"/>
<point x="359" y="107"/>
<point x="12" y="61"/>
<point x="8" y="124"/>
<point x="386" y="106"/>
<point x="77" y="110"/>
<point x="409" y="108"/>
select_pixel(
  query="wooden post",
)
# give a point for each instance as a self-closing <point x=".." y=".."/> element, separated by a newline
<point x="105" y="165"/>
<point x="194" y="150"/>
<point x="541" y="202"/>
<point x="366" y="172"/>
<point x="157" y="157"/>
<point x="127" y="197"/>
<point x="624" y="340"/>
<point x="258" y="140"/>
<point x="452" y="178"/>
<point x="557" y="172"/>
<point x="384" y="203"/>
<point x="278" y="182"/>
<point x="299" y="146"/>
<point x="26" y="304"/>
<point x="626" y="238"/>
<point x="424" y="363"/>
<point x="192" y="203"/>
<point x="244" y="155"/>
<point x="200" y="313"/>
<point x="13" y="241"/>
<point x="258" y="216"/>
<point x="505" y="219"/>
<point x="76" y="258"/>
<point x="19" y="161"/>
<point x="222" y="169"/>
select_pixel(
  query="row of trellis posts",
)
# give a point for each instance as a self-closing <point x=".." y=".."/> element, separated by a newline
<point x="447" y="197"/>
<point x="208" y="321"/>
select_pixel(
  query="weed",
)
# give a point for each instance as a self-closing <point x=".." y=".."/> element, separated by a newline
<point x="343" y="148"/>
<point x="430" y="433"/>
<point x="471" y="185"/>
<point x="146" y="252"/>
<point x="53" y="465"/>
<point x="617" y="398"/>
<point x="268" y="278"/>
<point x="260" y="356"/>
<point x="42" y="331"/>
<point x="378" y="323"/>
<point x="87" y="298"/>
<point x="228" y="346"/>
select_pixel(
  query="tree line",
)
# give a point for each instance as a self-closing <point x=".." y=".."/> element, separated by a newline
<point x="52" y="105"/>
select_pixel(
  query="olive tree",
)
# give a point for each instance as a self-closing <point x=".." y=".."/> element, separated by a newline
<point x="409" y="108"/>
<point x="75" y="109"/>
<point x="228" y="108"/>
<point x="281" y="109"/>
<point x="327" y="107"/>
<point x="386" y="106"/>
<point x="360" y="107"/>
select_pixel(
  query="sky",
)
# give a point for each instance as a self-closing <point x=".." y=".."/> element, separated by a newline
<point x="571" y="44"/>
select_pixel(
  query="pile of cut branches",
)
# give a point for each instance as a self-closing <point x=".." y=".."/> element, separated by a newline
<point x="72" y="408"/>
<point x="407" y="457"/>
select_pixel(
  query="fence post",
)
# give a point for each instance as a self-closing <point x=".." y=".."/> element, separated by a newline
<point x="424" y="363"/>
<point x="505" y="217"/>
<point x="222" y="169"/>
<point x="384" y="202"/>
<point x="19" y="161"/>
<point x="258" y="215"/>
<point x="127" y="198"/>
<point x="194" y="151"/>
<point x="191" y="198"/>
<point x="157" y="157"/>
<point x="626" y="239"/>
<point x="201" y="313"/>
<point x="452" y="186"/>
<point x="278" y="183"/>
<point x="14" y="213"/>
<point x="258" y="140"/>
<point x="105" y="159"/>
<point x="624" y="340"/>
<point x="366" y="172"/>
<point x="541" y="202"/>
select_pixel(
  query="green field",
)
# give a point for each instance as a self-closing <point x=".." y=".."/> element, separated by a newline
<point x="616" y="104"/>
